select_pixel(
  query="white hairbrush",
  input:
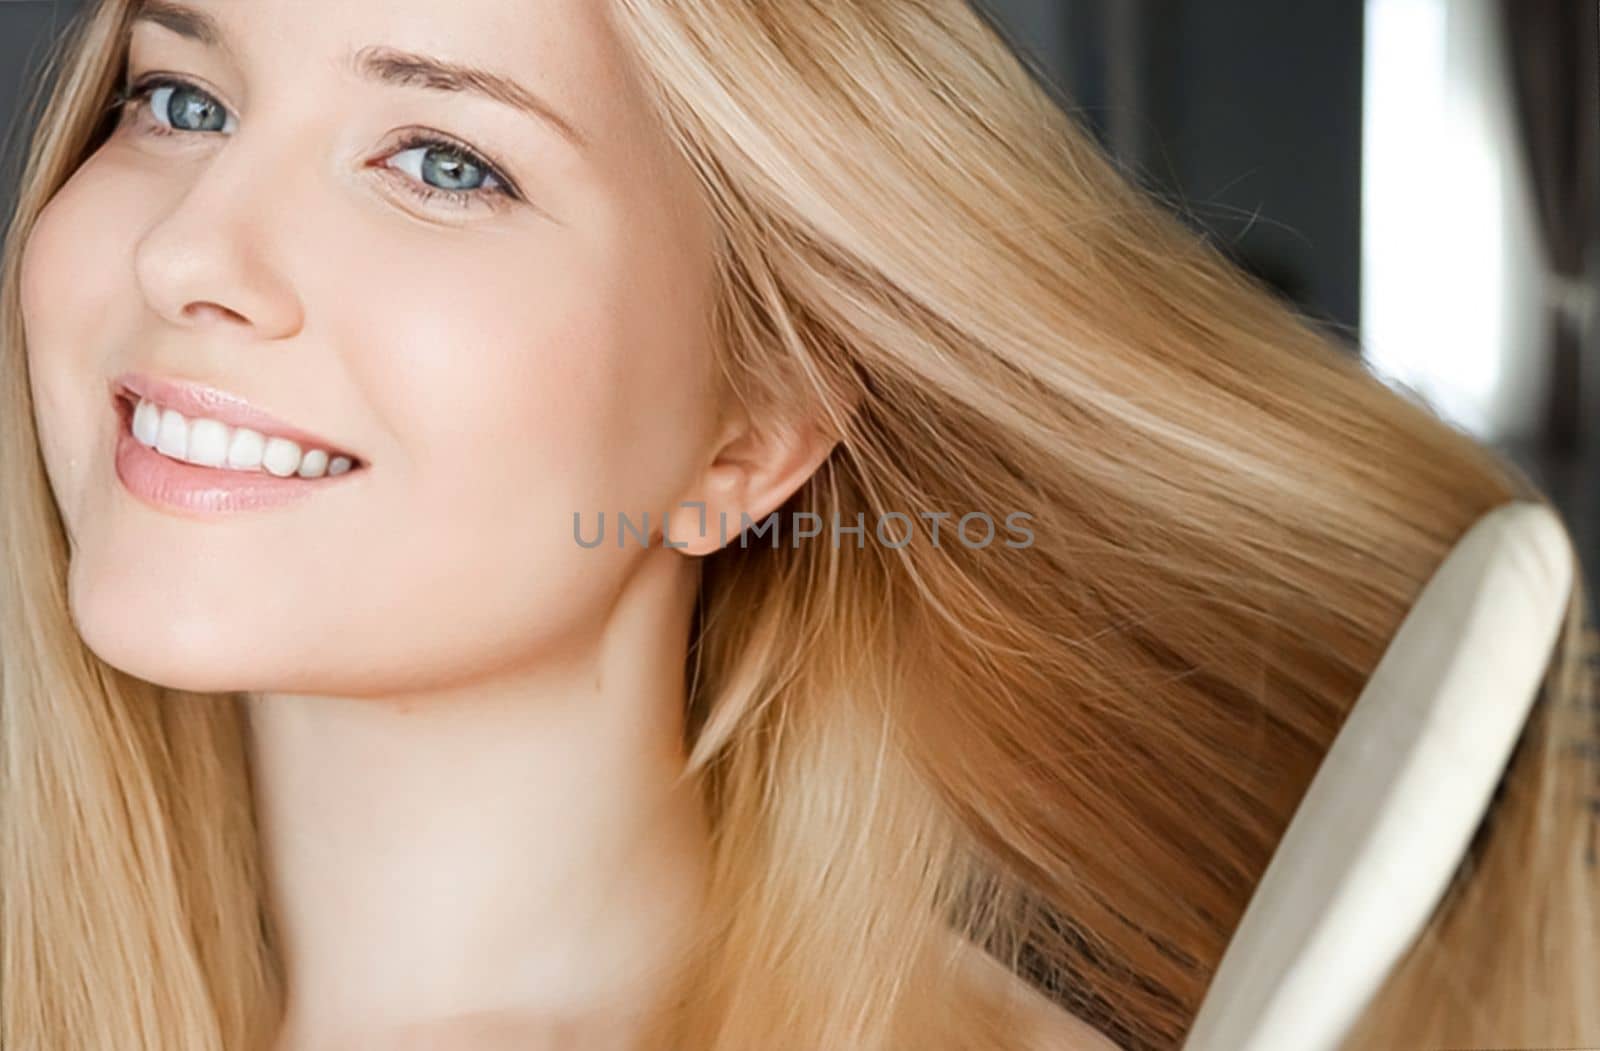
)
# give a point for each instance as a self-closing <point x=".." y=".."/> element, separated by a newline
<point x="1393" y="806"/>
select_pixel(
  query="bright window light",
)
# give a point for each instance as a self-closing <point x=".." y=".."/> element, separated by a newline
<point x="1436" y="187"/>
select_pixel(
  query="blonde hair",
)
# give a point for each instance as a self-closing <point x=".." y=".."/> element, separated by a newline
<point x="1078" y="754"/>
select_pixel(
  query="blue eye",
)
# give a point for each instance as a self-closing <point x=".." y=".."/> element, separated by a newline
<point x="187" y="109"/>
<point x="437" y="168"/>
<point x="445" y="167"/>
<point x="176" y="106"/>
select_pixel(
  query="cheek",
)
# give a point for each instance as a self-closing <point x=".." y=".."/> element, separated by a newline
<point x="500" y="397"/>
<point x="76" y="268"/>
<point x="74" y="287"/>
<point x="541" y="384"/>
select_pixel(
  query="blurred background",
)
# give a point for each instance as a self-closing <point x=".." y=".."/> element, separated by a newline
<point x="1419" y="176"/>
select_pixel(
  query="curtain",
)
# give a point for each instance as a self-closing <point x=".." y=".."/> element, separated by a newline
<point x="1554" y="66"/>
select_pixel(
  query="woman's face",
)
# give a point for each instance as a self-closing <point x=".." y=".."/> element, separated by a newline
<point x="502" y="324"/>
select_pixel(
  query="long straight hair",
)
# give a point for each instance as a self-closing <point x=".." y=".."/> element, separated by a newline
<point x="1076" y="754"/>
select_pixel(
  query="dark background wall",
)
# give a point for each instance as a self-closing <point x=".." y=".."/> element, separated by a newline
<point x="27" y="29"/>
<point x="1245" y="115"/>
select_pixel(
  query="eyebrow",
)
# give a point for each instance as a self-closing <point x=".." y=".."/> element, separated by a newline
<point x="385" y="65"/>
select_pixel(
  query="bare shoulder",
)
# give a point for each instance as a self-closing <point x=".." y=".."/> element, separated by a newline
<point x="1047" y="1026"/>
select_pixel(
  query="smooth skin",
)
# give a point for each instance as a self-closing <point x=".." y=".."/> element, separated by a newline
<point x="464" y="727"/>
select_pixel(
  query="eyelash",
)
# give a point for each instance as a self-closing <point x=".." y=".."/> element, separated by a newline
<point x="137" y="96"/>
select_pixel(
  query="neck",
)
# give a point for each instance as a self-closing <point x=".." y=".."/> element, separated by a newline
<point x="509" y="857"/>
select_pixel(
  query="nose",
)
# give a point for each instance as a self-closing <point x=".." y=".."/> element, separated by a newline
<point x="213" y="257"/>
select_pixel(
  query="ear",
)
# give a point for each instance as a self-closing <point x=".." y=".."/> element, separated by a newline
<point x="757" y="465"/>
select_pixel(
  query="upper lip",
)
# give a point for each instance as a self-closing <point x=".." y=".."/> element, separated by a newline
<point x="196" y="399"/>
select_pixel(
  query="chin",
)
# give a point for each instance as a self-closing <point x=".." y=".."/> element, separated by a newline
<point x="197" y="654"/>
<point x="164" y="662"/>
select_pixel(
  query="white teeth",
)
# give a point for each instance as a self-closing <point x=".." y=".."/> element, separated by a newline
<point x="211" y="443"/>
<point x="244" y="452"/>
<point x="173" y="438"/>
<point x="281" y="457"/>
<point x="208" y="443"/>
<point x="313" y="464"/>
<point x="146" y="423"/>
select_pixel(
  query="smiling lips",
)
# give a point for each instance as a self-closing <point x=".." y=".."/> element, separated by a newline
<point x="210" y="428"/>
<point x="197" y="450"/>
<point x="206" y="442"/>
